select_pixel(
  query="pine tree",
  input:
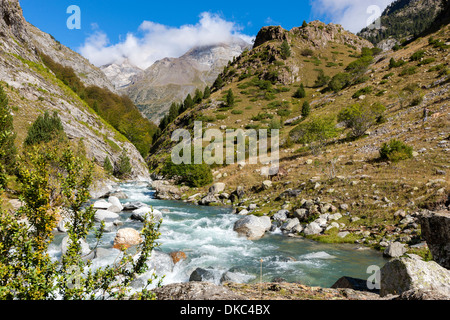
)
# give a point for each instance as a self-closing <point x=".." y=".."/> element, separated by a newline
<point x="173" y="112"/>
<point x="7" y="135"/>
<point x="198" y="96"/>
<point x="218" y="84"/>
<point x="207" y="93"/>
<point x="300" y="93"/>
<point x="188" y="102"/>
<point x="305" y="24"/>
<point x="285" y="50"/>
<point x="230" y="98"/>
<point x="306" y="109"/>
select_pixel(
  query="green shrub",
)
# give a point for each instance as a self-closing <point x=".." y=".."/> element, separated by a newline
<point x="306" y="109"/>
<point x="359" y="118"/>
<point x="339" y="82"/>
<point x="418" y="55"/>
<point x="362" y="91"/>
<point x="193" y="175"/>
<point x="45" y="129"/>
<point x="408" y="71"/>
<point x="237" y="112"/>
<point x="316" y="130"/>
<point x="300" y="92"/>
<point x="8" y="150"/>
<point x="395" y="64"/>
<point x="285" y="50"/>
<point x="124" y="167"/>
<point x="107" y="165"/>
<point x="395" y="151"/>
<point x="321" y="80"/>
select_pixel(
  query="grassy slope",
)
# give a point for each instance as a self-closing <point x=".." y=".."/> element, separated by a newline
<point x="356" y="178"/>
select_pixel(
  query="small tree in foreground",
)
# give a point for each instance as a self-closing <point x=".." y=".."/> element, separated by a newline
<point x="51" y="180"/>
<point x="359" y="118"/>
<point x="395" y="151"/>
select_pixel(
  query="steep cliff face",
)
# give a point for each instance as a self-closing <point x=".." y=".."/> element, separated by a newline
<point x="33" y="89"/>
<point x="172" y="79"/>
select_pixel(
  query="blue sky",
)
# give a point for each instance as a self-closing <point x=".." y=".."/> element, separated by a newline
<point x="112" y="28"/>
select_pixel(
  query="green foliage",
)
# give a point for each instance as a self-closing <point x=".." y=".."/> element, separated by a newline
<point x="418" y="55"/>
<point x="360" y="65"/>
<point x="396" y="64"/>
<point x="307" y="52"/>
<point x="363" y="91"/>
<point x="53" y="178"/>
<point x="107" y="165"/>
<point x="340" y="81"/>
<point x="306" y="109"/>
<point x="218" y="84"/>
<point x="198" y="96"/>
<point x="118" y="111"/>
<point x="8" y="150"/>
<point x="359" y="118"/>
<point x="300" y="92"/>
<point x="305" y="24"/>
<point x="408" y="71"/>
<point x="44" y="129"/>
<point x="230" y="99"/>
<point x="399" y="22"/>
<point x="193" y="175"/>
<point x="321" y="80"/>
<point x="123" y="166"/>
<point x="207" y="93"/>
<point x="285" y="50"/>
<point x="315" y="131"/>
<point x="395" y="151"/>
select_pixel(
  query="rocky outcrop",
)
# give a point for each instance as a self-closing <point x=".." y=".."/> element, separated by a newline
<point x="33" y="89"/>
<point x="195" y="291"/>
<point x="436" y="231"/>
<point x="410" y="273"/>
<point x="164" y="190"/>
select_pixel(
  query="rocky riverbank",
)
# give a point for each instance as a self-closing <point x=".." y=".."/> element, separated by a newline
<point x="406" y="276"/>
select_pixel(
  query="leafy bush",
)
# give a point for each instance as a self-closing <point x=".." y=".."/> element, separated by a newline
<point x="45" y="129"/>
<point x="396" y="64"/>
<point x="408" y="71"/>
<point x="359" y="118"/>
<point x="123" y="167"/>
<point x="306" y="109"/>
<point x="8" y="150"/>
<point x="107" y="165"/>
<point x="395" y="151"/>
<point x="317" y="131"/>
<point x="418" y="55"/>
<point x="321" y="80"/>
<point x="50" y="179"/>
<point x="300" y="93"/>
<point x="193" y="175"/>
<point x="362" y="91"/>
<point x="340" y="81"/>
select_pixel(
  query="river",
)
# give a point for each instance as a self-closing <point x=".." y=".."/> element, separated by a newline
<point x="206" y="235"/>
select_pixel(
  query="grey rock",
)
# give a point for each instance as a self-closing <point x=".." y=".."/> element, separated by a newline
<point x="281" y="216"/>
<point x="435" y="228"/>
<point x="290" y="225"/>
<point x="312" y="229"/>
<point x="253" y="227"/>
<point x="196" y="291"/>
<point x="130" y="206"/>
<point x="406" y="273"/>
<point x="102" y="215"/>
<point x="201" y="275"/>
<point x="395" y="250"/>
<point x="217" y="188"/>
<point x="153" y="214"/>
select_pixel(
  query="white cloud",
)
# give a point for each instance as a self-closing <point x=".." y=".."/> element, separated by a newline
<point x="159" y="41"/>
<point x="353" y="15"/>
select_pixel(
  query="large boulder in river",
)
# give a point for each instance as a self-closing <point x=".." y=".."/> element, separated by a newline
<point x="411" y="273"/>
<point x="126" y="238"/>
<point x="141" y="213"/>
<point x="253" y="227"/>
<point x="435" y="228"/>
<point x="115" y="202"/>
<point x="102" y="215"/>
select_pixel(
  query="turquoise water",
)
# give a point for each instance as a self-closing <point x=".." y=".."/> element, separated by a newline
<point x="206" y="235"/>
